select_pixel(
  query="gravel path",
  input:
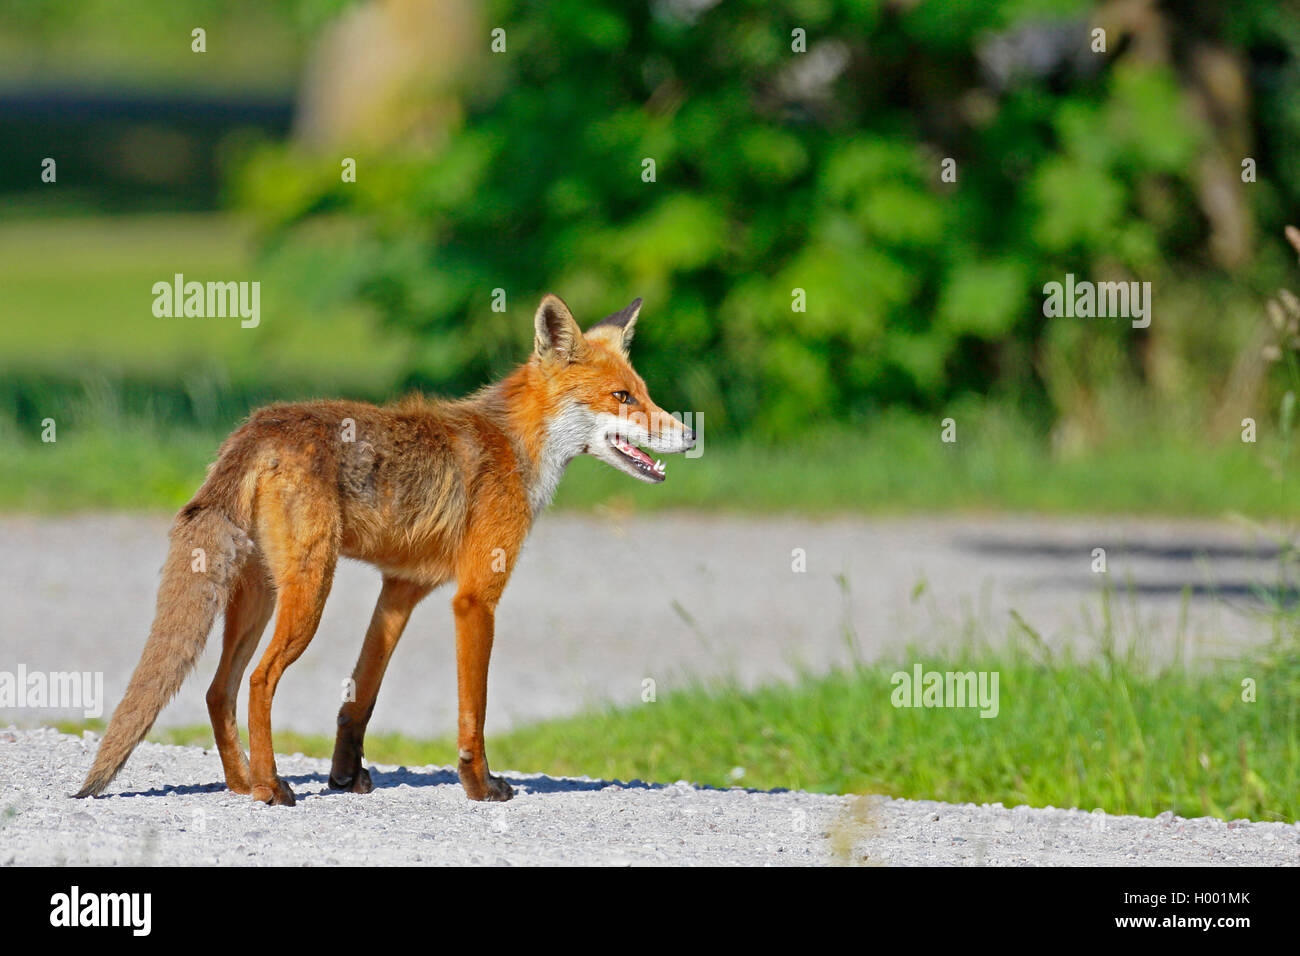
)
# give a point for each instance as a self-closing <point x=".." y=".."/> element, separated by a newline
<point x="169" y="808"/>
<point x="599" y="604"/>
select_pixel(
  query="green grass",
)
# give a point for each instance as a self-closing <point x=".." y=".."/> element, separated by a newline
<point x="77" y="294"/>
<point x="129" y="469"/>
<point x="107" y="459"/>
<point x="1102" y="729"/>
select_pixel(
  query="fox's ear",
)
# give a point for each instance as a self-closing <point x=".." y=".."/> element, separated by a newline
<point x="557" y="336"/>
<point x="617" y="329"/>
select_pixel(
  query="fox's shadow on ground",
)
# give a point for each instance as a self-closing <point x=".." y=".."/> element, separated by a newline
<point x="391" y="779"/>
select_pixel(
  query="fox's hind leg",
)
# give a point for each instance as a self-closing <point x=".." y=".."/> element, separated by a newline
<point x="299" y="532"/>
<point x="396" y="601"/>
<point x="247" y="613"/>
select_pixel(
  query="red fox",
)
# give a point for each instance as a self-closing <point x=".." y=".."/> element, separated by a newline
<point x="426" y="491"/>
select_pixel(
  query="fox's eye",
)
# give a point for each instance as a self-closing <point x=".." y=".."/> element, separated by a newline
<point x="624" y="398"/>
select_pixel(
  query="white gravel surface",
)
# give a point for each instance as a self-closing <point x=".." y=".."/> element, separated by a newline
<point x="169" y="807"/>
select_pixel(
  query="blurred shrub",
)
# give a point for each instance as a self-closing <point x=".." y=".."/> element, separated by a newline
<point x="778" y="170"/>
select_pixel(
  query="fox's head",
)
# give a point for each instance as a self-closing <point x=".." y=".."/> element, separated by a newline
<point x="596" y="402"/>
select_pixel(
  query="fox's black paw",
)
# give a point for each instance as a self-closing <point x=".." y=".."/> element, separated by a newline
<point x="358" y="783"/>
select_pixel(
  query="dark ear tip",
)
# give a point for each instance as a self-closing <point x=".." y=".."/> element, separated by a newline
<point x="553" y="307"/>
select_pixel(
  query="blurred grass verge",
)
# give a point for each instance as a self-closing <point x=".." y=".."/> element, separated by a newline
<point x="897" y="465"/>
<point x="77" y="293"/>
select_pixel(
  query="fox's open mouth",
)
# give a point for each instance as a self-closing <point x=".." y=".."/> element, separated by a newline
<point x="652" y="470"/>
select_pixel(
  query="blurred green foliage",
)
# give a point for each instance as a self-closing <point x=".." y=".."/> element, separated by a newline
<point x="778" y="170"/>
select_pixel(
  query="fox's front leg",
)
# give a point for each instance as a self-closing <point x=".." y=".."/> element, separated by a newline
<point x="396" y="601"/>
<point x="475" y="612"/>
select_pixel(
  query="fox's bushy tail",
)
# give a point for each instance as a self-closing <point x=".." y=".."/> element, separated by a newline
<point x="195" y="588"/>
